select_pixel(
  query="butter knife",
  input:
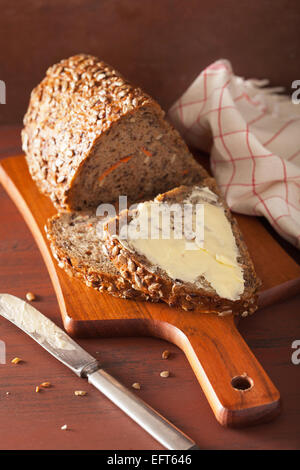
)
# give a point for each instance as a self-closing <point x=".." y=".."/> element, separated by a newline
<point x="66" y="350"/>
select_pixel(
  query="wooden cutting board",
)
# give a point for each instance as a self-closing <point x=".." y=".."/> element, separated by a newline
<point x="236" y="386"/>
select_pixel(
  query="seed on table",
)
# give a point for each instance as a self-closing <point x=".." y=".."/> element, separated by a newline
<point x="136" y="385"/>
<point x="45" y="384"/>
<point x="165" y="373"/>
<point x="165" y="354"/>
<point x="30" y="296"/>
<point x="37" y="389"/>
<point x="16" y="360"/>
<point x="64" y="427"/>
<point x="80" y="393"/>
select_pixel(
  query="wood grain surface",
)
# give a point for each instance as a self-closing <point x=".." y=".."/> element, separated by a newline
<point x="97" y="424"/>
<point x="160" y="44"/>
<point x="213" y="346"/>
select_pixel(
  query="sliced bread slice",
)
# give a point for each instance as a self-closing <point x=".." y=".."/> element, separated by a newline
<point x="78" y="249"/>
<point x="217" y="276"/>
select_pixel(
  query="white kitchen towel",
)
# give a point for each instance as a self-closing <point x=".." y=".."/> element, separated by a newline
<point x="253" y="136"/>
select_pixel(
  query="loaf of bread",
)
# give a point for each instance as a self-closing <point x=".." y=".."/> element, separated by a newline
<point x="89" y="136"/>
<point x="78" y="249"/>
<point x="219" y="277"/>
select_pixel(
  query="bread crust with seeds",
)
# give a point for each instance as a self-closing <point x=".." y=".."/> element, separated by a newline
<point x="158" y="285"/>
<point x="84" y="258"/>
<point x="84" y="119"/>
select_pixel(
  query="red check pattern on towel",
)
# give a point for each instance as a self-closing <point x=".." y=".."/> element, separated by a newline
<point x="253" y="136"/>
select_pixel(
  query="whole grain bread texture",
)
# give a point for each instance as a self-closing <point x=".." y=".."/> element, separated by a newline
<point x="156" y="283"/>
<point x="78" y="249"/>
<point x="89" y="135"/>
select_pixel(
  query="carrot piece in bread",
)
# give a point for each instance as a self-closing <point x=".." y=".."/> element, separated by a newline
<point x="113" y="167"/>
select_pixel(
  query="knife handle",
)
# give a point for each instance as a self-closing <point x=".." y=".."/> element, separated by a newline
<point x="149" y="419"/>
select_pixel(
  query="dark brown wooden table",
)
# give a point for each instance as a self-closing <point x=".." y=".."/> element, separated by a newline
<point x="162" y="45"/>
<point x="30" y="420"/>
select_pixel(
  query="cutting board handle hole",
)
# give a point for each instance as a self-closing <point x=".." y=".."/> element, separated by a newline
<point x="242" y="382"/>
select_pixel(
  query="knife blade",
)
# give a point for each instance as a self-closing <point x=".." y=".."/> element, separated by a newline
<point x="66" y="350"/>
